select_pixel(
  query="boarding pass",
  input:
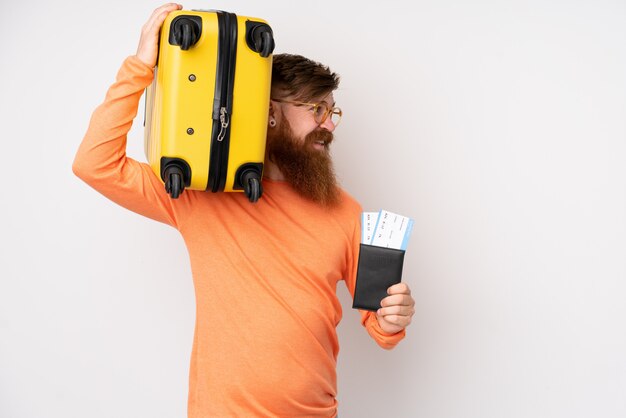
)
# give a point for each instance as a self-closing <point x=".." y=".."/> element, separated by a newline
<point x="386" y="229"/>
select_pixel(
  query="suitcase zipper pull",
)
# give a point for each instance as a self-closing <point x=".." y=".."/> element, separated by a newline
<point x="225" y="121"/>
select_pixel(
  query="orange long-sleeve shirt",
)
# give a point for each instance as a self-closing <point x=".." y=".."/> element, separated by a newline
<point x="265" y="274"/>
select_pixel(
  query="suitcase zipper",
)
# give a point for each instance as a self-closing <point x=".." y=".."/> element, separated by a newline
<point x="223" y="100"/>
<point x="224" y="121"/>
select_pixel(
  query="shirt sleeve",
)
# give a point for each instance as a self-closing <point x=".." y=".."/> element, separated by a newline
<point x="368" y="318"/>
<point x="101" y="159"/>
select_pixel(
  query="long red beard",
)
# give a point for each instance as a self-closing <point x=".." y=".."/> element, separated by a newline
<point x="310" y="171"/>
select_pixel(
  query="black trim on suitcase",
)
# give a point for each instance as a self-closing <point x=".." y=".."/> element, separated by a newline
<point x="223" y="100"/>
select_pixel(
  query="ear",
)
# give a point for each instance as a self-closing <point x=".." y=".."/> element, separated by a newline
<point x="272" y="108"/>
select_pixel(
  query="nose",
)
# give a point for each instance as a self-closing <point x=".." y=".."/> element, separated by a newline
<point x="328" y="125"/>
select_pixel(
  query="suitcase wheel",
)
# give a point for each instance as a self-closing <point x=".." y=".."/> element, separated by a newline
<point x="185" y="32"/>
<point x="260" y="38"/>
<point x="266" y="46"/>
<point x="174" y="184"/>
<point x="253" y="190"/>
<point x="250" y="179"/>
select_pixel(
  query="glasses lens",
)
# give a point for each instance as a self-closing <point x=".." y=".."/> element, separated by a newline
<point x="335" y="116"/>
<point x="319" y="112"/>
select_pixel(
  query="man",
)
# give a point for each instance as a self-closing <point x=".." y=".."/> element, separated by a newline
<point x="265" y="274"/>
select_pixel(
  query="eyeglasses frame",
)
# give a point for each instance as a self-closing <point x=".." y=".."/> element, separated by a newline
<point x="331" y="110"/>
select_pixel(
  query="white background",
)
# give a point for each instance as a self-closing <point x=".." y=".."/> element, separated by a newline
<point x="499" y="126"/>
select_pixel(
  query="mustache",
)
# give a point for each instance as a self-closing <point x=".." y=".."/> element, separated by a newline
<point x="320" y="135"/>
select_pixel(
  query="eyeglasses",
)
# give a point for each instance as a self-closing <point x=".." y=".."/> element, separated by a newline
<point x="321" y="111"/>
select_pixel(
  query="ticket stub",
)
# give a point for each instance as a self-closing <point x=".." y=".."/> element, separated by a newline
<point x="392" y="230"/>
<point x="368" y="222"/>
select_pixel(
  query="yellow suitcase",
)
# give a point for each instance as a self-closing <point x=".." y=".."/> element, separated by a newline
<point x="207" y="108"/>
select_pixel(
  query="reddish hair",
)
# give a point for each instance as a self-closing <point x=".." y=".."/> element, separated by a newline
<point x="301" y="78"/>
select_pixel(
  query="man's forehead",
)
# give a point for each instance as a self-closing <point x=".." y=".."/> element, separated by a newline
<point x="328" y="99"/>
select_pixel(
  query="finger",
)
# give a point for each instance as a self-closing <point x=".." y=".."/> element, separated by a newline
<point x="399" y="320"/>
<point x="167" y="7"/>
<point x="399" y="288"/>
<point x="159" y="14"/>
<point x="401" y="299"/>
<point x="396" y="310"/>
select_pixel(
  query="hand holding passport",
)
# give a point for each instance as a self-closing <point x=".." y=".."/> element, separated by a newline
<point x="384" y="238"/>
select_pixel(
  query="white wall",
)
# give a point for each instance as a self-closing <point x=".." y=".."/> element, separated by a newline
<point x="498" y="125"/>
